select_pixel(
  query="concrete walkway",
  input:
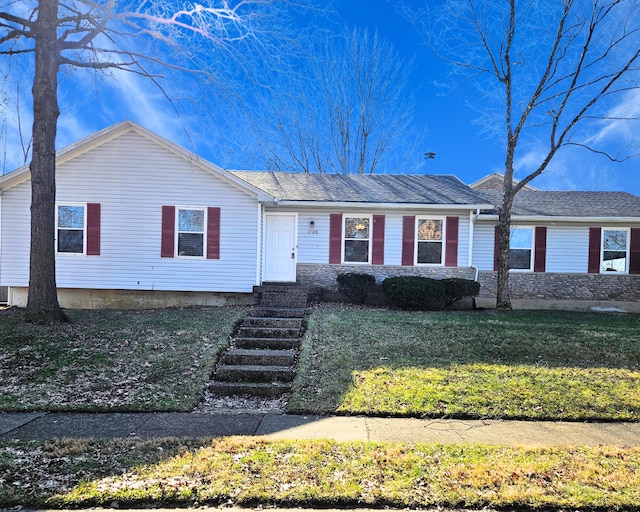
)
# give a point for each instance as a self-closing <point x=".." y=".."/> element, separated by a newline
<point x="31" y="426"/>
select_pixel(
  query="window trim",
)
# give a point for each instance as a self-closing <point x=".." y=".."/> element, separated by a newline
<point x="177" y="232"/>
<point x="532" y="249"/>
<point x="84" y="229"/>
<point x="344" y="239"/>
<point x="443" y="240"/>
<point x="627" y="251"/>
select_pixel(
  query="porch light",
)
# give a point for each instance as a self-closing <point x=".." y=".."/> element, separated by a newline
<point x="311" y="224"/>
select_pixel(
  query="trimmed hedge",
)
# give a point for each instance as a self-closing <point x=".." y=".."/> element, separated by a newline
<point x="414" y="292"/>
<point x="356" y="286"/>
<point x="456" y="289"/>
<point x="424" y="293"/>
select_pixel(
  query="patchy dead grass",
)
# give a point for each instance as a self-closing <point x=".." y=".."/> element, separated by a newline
<point x="155" y="360"/>
<point x="245" y="471"/>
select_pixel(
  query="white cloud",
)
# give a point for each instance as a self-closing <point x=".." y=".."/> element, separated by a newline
<point x="619" y="128"/>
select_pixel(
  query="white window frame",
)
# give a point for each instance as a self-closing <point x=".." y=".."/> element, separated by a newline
<point x="531" y="248"/>
<point x="370" y="239"/>
<point x="84" y="229"/>
<point x="627" y="251"/>
<point x="442" y="241"/>
<point x="177" y="233"/>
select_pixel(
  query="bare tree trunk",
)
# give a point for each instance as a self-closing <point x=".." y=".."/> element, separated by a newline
<point x="42" y="303"/>
<point x="503" y="300"/>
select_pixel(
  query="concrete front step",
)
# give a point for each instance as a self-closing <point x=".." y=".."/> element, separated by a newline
<point x="275" y="312"/>
<point x="263" y="321"/>
<point x="254" y="373"/>
<point x="267" y="343"/>
<point x="267" y="390"/>
<point x="269" y="332"/>
<point x="283" y="301"/>
<point x="243" y="356"/>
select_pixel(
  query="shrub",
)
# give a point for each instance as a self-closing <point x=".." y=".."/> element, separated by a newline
<point x="414" y="292"/>
<point x="456" y="289"/>
<point x="356" y="286"/>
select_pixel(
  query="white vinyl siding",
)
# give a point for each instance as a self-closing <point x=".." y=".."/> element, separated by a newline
<point x="132" y="178"/>
<point x="483" y="246"/>
<point x="568" y="249"/>
<point x="15" y="231"/>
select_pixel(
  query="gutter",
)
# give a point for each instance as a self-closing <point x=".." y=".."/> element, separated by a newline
<point x="472" y="220"/>
<point x="390" y="206"/>
<point x="562" y="218"/>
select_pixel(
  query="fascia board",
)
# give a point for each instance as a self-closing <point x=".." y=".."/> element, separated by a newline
<point x="386" y="206"/>
<point x="559" y="218"/>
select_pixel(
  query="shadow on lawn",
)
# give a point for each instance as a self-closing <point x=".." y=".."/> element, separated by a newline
<point x="517" y="364"/>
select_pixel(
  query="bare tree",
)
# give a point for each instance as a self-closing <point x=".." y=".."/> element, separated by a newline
<point x="348" y="109"/>
<point x="553" y="72"/>
<point x="146" y="38"/>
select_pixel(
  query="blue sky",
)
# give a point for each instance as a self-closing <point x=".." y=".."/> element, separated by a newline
<point x="90" y="104"/>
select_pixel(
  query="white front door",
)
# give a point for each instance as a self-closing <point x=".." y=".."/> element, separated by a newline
<point x="280" y="248"/>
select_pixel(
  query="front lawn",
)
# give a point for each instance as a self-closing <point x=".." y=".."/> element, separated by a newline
<point x="518" y="364"/>
<point x="515" y="364"/>
<point x="156" y="360"/>
<point x="252" y="472"/>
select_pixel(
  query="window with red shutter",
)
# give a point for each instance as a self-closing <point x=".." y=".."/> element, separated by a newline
<point x="167" y="246"/>
<point x="452" y="233"/>
<point x="408" y="239"/>
<point x="93" y="229"/>
<point x="213" y="233"/>
<point x="540" y="249"/>
<point x="377" y="251"/>
<point x="335" y="238"/>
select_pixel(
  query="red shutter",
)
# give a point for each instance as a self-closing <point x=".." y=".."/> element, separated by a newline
<point x="408" y="239"/>
<point x="167" y="249"/>
<point x="451" y="246"/>
<point x="377" y="250"/>
<point x="213" y="233"/>
<point x="496" y="248"/>
<point x="634" y="256"/>
<point x="335" y="238"/>
<point x="93" y="229"/>
<point x="595" y="237"/>
<point x="540" y="249"/>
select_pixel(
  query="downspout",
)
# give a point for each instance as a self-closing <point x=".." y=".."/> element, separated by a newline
<point x="472" y="220"/>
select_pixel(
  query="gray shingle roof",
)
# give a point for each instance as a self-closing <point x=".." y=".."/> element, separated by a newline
<point x="359" y="188"/>
<point x="569" y="203"/>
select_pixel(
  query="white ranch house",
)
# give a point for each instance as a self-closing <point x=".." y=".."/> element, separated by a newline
<point x="142" y="222"/>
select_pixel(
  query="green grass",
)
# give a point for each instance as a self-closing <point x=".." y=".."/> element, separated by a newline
<point x="155" y="360"/>
<point x="518" y="364"/>
<point x="246" y="471"/>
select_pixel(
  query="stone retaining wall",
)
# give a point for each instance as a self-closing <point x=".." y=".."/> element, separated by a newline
<point x="594" y="287"/>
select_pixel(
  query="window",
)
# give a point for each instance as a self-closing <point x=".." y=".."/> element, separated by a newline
<point x="429" y="241"/>
<point x="615" y="250"/>
<point x="191" y="232"/>
<point x="71" y="228"/>
<point x="357" y="237"/>
<point x="521" y="248"/>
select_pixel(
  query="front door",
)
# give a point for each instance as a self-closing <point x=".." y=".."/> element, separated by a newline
<point x="280" y="248"/>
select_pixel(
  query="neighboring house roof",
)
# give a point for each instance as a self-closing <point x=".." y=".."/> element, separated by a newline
<point x="494" y="182"/>
<point x="552" y="203"/>
<point x="360" y="188"/>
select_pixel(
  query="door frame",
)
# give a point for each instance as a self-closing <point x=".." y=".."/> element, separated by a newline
<point x="265" y="244"/>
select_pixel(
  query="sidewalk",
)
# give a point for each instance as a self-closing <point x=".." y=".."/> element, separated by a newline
<point x="32" y="426"/>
